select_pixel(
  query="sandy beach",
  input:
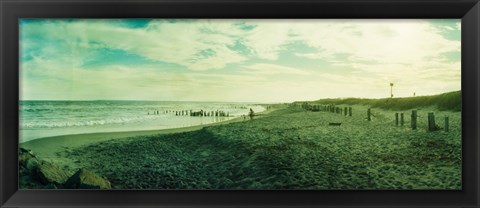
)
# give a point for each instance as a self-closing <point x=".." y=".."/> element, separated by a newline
<point x="51" y="148"/>
<point x="289" y="148"/>
<point x="148" y="104"/>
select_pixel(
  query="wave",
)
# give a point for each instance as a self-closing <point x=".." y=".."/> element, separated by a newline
<point x="61" y="114"/>
<point x="80" y="123"/>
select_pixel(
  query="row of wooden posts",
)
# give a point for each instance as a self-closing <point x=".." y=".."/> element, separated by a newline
<point x="201" y="113"/>
<point x="432" y="126"/>
<point x="328" y="108"/>
<point x="399" y="117"/>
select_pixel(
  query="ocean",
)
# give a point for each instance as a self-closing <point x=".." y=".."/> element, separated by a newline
<point x="39" y="119"/>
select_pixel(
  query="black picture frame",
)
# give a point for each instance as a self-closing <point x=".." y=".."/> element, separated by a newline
<point x="12" y="10"/>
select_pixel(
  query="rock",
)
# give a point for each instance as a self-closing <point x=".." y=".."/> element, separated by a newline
<point x="27" y="170"/>
<point x="49" y="173"/>
<point x="32" y="164"/>
<point x="24" y="155"/>
<point x="28" y="163"/>
<point x="39" y="174"/>
<point x="84" y="179"/>
<point x="35" y="173"/>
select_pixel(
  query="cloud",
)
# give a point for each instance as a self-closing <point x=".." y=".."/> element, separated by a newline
<point x="272" y="69"/>
<point x="268" y="38"/>
<point x="384" y="41"/>
<point x="60" y="80"/>
<point x="449" y="28"/>
<point x="231" y="59"/>
<point x="173" y="42"/>
<point x="182" y="42"/>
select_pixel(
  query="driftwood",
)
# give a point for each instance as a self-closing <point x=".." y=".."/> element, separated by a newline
<point x="334" y="124"/>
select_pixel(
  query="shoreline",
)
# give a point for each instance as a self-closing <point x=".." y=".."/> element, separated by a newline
<point x="49" y="148"/>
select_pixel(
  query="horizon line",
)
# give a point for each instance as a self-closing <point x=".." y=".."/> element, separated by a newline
<point x="260" y="102"/>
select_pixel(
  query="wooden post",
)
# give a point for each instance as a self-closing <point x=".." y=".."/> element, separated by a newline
<point x="401" y="119"/>
<point x="349" y="111"/>
<point x="345" y="111"/>
<point x="368" y="115"/>
<point x="396" y="119"/>
<point x="446" y="124"/>
<point x="431" y="122"/>
<point x="414" y="120"/>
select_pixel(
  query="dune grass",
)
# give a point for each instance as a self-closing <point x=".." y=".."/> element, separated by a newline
<point x="447" y="101"/>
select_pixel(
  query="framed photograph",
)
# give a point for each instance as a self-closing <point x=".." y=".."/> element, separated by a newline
<point x="227" y="103"/>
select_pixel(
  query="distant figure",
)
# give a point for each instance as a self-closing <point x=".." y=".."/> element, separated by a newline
<point x="251" y="114"/>
<point x="244" y="117"/>
<point x="413" y="94"/>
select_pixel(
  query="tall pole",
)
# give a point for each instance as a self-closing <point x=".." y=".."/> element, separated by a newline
<point x="391" y="90"/>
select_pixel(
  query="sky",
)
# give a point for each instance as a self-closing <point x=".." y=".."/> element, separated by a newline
<point x="236" y="60"/>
